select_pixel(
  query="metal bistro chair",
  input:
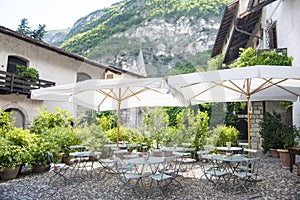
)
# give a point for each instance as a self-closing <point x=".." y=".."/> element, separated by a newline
<point x="173" y="169"/>
<point x="58" y="170"/>
<point x="245" y="166"/>
<point x="204" y="163"/>
<point x="163" y="179"/>
<point x="185" y="157"/>
<point x="129" y="180"/>
<point x="249" y="176"/>
<point x="214" y="171"/>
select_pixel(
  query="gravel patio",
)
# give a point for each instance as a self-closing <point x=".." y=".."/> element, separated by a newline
<point x="274" y="183"/>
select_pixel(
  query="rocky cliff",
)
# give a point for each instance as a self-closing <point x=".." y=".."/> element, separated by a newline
<point x="169" y="33"/>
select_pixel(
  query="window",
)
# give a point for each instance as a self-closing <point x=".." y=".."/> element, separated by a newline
<point x="109" y="76"/>
<point x="81" y="76"/>
<point x="271" y="36"/>
<point x="13" y="61"/>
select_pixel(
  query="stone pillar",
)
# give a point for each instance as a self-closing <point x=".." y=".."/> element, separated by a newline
<point x="256" y="116"/>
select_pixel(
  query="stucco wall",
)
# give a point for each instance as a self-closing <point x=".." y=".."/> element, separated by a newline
<point x="286" y="14"/>
<point x="52" y="66"/>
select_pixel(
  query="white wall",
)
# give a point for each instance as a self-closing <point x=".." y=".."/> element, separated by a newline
<point x="287" y="14"/>
<point x="51" y="65"/>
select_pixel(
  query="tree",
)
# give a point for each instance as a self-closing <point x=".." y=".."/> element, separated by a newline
<point x="23" y="27"/>
<point x="38" y="33"/>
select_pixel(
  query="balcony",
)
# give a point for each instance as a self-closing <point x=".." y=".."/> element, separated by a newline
<point x="14" y="84"/>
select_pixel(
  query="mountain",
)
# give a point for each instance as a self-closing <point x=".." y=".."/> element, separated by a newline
<point x="173" y="35"/>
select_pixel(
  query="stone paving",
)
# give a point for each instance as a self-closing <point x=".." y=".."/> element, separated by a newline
<point x="274" y="183"/>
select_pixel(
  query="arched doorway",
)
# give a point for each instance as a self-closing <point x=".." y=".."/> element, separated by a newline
<point x="241" y="125"/>
<point x="18" y="116"/>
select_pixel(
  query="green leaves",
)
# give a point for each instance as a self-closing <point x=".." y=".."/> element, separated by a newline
<point x="222" y="134"/>
<point x="250" y="57"/>
<point x="27" y="72"/>
<point x="275" y="134"/>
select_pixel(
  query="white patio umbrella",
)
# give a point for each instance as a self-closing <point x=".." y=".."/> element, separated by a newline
<point x="256" y="83"/>
<point x="111" y="94"/>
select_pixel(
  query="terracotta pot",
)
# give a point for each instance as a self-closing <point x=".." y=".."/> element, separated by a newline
<point x="274" y="153"/>
<point x="9" y="172"/>
<point x="93" y="158"/>
<point x="285" y="158"/>
<point x="38" y="168"/>
<point x="67" y="160"/>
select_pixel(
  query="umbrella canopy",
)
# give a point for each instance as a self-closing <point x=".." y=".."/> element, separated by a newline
<point x="256" y="83"/>
<point x="111" y="94"/>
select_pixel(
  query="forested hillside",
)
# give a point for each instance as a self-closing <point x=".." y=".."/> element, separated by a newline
<point x="175" y="36"/>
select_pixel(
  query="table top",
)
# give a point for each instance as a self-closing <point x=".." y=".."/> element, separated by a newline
<point x="229" y="148"/>
<point x="144" y="161"/>
<point x="227" y="158"/>
<point x="84" y="154"/>
<point x="294" y="150"/>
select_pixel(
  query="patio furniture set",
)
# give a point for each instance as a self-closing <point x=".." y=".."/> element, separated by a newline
<point x="231" y="171"/>
<point x="157" y="172"/>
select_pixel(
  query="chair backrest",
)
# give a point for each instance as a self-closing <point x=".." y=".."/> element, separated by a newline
<point x="252" y="151"/>
<point x="254" y="165"/>
<point x="203" y="162"/>
<point x="209" y="147"/>
<point x="50" y="156"/>
<point x="189" y="151"/>
<point x="157" y="153"/>
<point x="186" y="144"/>
<point x="120" y="153"/>
<point x="170" y="166"/>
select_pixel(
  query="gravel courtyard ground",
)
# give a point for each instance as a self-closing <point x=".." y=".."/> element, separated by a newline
<point x="274" y="183"/>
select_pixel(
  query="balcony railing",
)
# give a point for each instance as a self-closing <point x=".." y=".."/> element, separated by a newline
<point x="12" y="83"/>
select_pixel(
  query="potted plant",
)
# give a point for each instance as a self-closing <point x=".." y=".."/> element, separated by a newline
<point x="56" y="130"/>
<point x="27" y="72"/>
<point x="288" y="136"/>
<point x="14" y="151"/>
<point x="39" y="155"/>
<point x="276" y="135"/>
<point x="271" y="127"/>
<point x="93" y="138"/>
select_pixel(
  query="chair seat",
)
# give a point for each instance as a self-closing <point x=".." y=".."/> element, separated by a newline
<point x="83" y="159"/>
<point x="243" y="168"/>
<point x="243" y="174"/>
<point x="131" y="176"/>
<point x="126" y="167"/>
<point x="217" y="172"/>
<point x="187" y="160"/>
<point x="159" y="177"/>
<point x="58" y="166"/>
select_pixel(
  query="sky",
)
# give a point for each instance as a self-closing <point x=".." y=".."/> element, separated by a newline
<point x="55" y="14"/>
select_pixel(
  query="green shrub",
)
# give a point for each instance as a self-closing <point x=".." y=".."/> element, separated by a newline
<point x="47" y="120"/>
<point x="27" y="72"/>
<point x="92" y="137"/>
<point x="275" y="134"/>
<point x="250" y="57"/>
<point x="15" y="147"/>
<point x="60" y="139"/>
<point x="222" y="134"/>
<point x="5" y="122"/>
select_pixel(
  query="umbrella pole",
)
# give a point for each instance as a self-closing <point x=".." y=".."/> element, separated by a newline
<point x="249" y="124"/>
<point x="119" y="123"/>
